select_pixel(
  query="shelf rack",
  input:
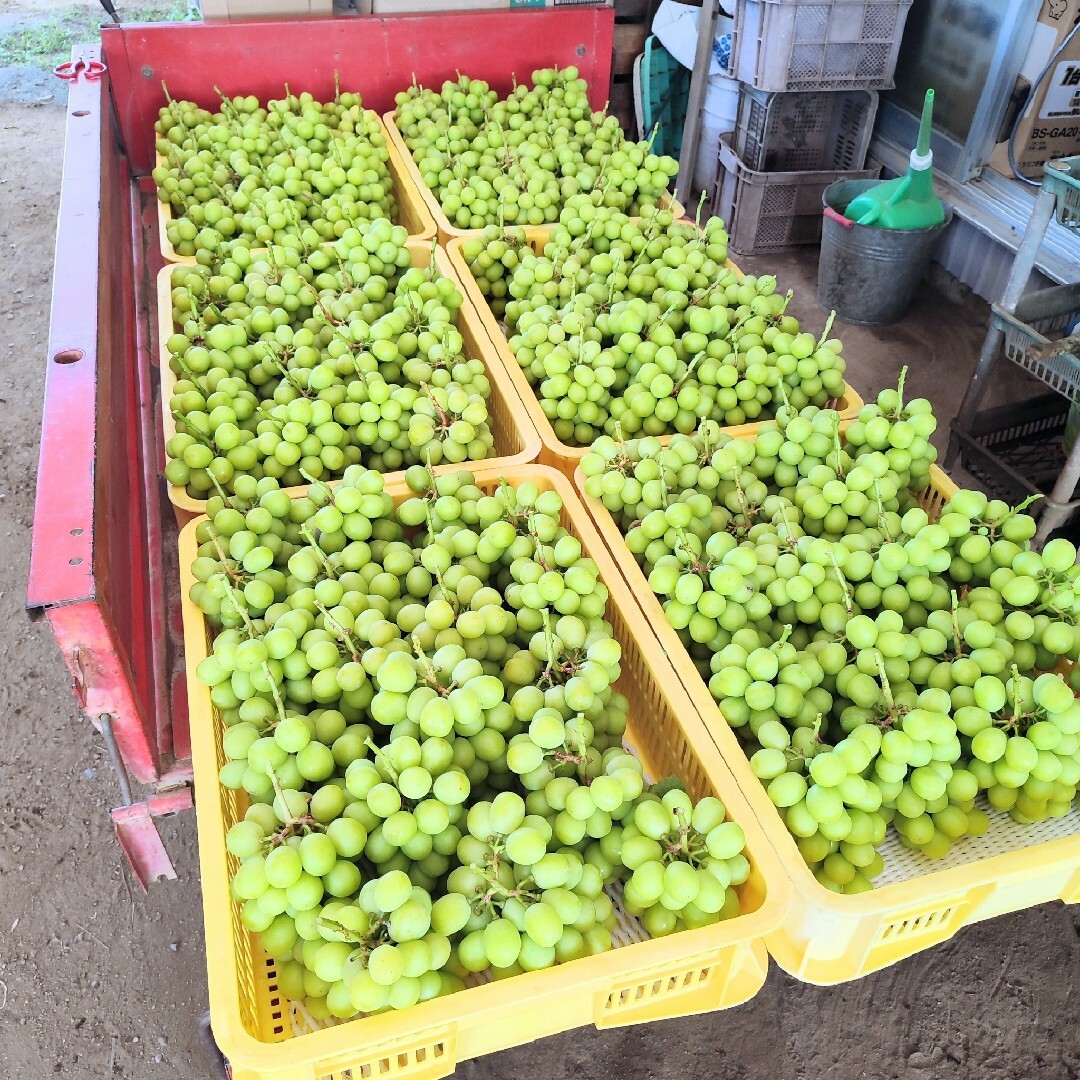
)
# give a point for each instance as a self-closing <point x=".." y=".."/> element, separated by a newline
<point x="1021" y="326"/>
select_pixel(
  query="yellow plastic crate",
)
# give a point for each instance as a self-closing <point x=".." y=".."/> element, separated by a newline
<point x="643" y="979"/>
<point x="517" y="441"/>
<point x="555" y="452"/>
<point x="412" y="209"/>
<point x="448" y="232"/>
<point x="917" y="901"/>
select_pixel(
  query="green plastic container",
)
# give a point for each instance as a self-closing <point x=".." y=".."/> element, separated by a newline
<point x="908" y="202"/>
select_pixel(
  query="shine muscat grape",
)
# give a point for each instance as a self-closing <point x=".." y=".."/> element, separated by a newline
<point x="518" y="159"/>
<point x="293" y="368"/>
<point x="420" y="706"/>
<point x="638" y="327"/>
<point x="295" y="172"/>
<point x="879" y="668"/>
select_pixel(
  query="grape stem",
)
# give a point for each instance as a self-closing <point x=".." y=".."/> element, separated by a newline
<point x="286" y="374"/>
<point x="274" y="690"/>
<point x="1016" y="696"/>
<point x="549" y="645"/>
<point x="431" y="676"/>
<point x="844" y="585"/>
<point x="489" y="873"/>
<point x="828" y="326"/>
<point x="886" y="688"/>
<point x="687" y="373"/>
<point x="319" y="484"/>
<point x="218" y="487"/>
<point x="223" y="558"/>
<point x="191" y="374"/>
<point x="883" y="523"/>
<point x="837" y="447"/>
<point x="354" y="937"/>
<point x="306" y="823"/>
<point x="339" y="632"/>
<point x="662" y="478"/>
<point x="388" y="765"/>
<point x="697" y="216"/>
<point x="193" y="431"/>
<point x="958" y="637"/>
<point x="444" y="417"/>
<point x="326" y="312"/>
<point x="539" y="556"/>
<point x="309" y="536"/>
<point x="787" y="300"/>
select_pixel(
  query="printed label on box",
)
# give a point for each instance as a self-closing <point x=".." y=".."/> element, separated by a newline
<point x="1063" y="94"/>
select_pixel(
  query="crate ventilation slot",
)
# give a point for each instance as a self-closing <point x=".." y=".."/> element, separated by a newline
<point x="391" y="1065"/>
<point x="933" y="920"/>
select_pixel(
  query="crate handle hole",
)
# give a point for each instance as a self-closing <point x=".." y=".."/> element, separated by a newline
<point x="81" y="112"/>
<point x="68" y="356"/>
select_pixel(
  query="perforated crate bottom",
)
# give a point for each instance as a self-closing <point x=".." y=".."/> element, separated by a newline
<point x="1003" y="836"/>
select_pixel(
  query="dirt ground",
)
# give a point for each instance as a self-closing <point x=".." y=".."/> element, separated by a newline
<point x="97" y="980"/>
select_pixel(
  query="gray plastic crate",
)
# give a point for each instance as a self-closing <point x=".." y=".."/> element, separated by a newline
<point x="802" y="132"/>
<point x="772" y="211"/>
<point x="1040" y="318"/>
<point x="795" y="45"/>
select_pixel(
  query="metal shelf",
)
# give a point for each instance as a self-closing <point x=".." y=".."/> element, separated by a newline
<point x="1021" y="324"/>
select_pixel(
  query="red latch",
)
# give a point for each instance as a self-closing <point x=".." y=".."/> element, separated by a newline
<point x="91" y="69"/>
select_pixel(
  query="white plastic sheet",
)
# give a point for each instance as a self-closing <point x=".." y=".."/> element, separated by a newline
<point x="676" y="27"/>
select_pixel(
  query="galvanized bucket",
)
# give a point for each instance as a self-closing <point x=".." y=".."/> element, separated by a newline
<point x="865" y="274"/>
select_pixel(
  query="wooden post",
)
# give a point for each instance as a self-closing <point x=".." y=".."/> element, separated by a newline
<point x="699" y="82"/>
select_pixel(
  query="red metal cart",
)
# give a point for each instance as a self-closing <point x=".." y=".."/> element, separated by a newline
<point x="103" y="567"/>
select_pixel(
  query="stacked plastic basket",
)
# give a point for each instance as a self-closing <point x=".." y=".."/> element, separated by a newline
<point x="809" y="76"/>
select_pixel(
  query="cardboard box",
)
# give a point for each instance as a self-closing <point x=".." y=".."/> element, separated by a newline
<point x="395" y="7"/>
<point x="1050" y="127"/>
<point x="230" y="10"/>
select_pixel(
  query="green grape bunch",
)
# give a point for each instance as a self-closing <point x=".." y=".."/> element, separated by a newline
<point x="516" y="160"/>
<point x="892" y="662"/>
<point x="419" y="703"/>
<point x="295" y="373"/>
<point x="296" y="172"/>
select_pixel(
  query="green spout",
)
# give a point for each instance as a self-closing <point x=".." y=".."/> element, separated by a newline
<point x="908" y="202"/>
<point x="927" y="122"/>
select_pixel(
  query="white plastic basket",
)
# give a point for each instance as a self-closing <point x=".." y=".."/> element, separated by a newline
<point x="834" y="45"/>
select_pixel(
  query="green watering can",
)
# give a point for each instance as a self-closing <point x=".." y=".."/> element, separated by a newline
<point x="908" y="202"/>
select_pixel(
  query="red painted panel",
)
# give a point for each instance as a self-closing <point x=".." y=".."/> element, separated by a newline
<point x="96" y="556"/>
<point x="138" y="835"/>
<point x="61" y="558"/>
<point x="377" y="55"/>
<point x="101" y="677"/>
<point x="127" y="548"/>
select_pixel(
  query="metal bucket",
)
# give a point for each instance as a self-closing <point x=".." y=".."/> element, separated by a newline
<point x="869" y="275"/>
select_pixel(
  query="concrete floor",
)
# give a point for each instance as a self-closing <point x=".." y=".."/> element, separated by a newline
<point x="99" y="981"/>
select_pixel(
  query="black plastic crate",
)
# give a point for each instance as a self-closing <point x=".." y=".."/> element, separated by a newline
<point x="1016" y="450"/>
